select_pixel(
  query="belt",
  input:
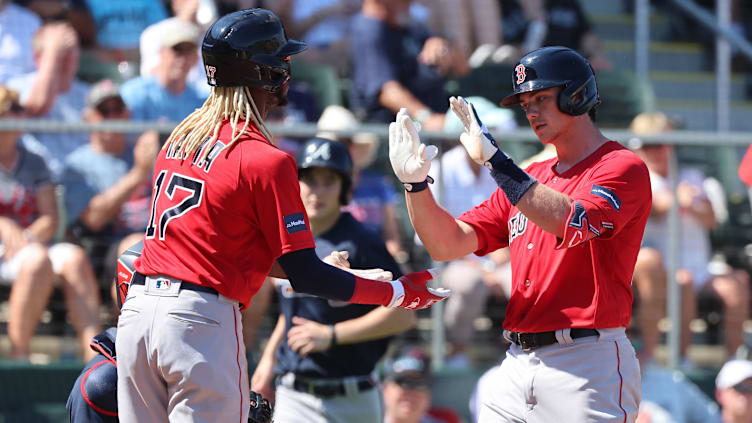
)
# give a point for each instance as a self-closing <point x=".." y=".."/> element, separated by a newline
<point x="140" y="279"/>
<point x="329" y="388"/>
<point x="531" y="341"/>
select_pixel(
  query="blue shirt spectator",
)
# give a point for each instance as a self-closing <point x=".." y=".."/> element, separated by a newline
<point x="372" y="192"/>
<point x="17" y="28"/>
<point x="148" y="100"/>
<point x="164" y="94"/>
<point x="120" y="22"/>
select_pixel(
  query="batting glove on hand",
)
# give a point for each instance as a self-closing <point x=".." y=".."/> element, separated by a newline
<point x="476" y="139"/>
<point x="410" y="159"/>
<point x="411" y="291"/>
<point x="261" y="409"/>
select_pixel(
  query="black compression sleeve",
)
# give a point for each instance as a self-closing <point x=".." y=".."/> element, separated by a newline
<point x="309" y="275"/>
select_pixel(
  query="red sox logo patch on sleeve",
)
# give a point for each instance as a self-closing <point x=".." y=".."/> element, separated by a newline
<point x="520" y="71"/>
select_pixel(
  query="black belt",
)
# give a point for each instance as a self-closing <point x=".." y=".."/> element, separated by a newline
<point x="531" y="341"/>
<point x="327" y="389"/>
<point x="140" y="279"/>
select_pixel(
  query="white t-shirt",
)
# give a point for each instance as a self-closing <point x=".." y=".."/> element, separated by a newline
<point x="694" y="239"/>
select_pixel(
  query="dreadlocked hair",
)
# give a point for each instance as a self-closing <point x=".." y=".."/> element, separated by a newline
<point x="231" y="103"/>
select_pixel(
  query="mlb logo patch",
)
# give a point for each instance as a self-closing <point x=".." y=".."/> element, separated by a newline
<point x="163" y="284"/>
<point x="295" y="223"/>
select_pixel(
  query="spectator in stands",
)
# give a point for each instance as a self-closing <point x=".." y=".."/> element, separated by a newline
<point x="17" y="28"/>
<point x="407" y="391"/>
<point x="165" y="94"/>
<point x="28" y="261"/>
<point x="151" y="41"/>
<point x="119" y="25"/>
<point x="53" y="92"/>
<point x="75" y="12"/>
<point x="108" y="183"/>
<point x="374" y="198"/>
<point x="528" y="25"/>
<point x="324" y="24"/>
<point x="733" y="391"/>
<point x="396" y="63"/>
<point x="668" y="396"/>
<point x="697" y="218"/>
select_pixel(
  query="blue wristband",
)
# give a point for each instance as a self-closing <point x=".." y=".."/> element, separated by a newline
<point x="418" y="186"/>
<point x="509" y="177"/>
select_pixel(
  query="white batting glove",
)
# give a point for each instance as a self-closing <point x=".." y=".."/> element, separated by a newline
<point x="476" y="139"/>
<point x="410" y="159"/>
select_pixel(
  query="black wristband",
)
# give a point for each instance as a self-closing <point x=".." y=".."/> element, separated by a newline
<point x="509" y="177"/>
<point x="334" y="337"/>
<point x="418" y="186"/>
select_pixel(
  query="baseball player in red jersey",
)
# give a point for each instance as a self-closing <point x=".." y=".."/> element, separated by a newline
<point x="573" y="224"/>
<point x="225" y="205"/>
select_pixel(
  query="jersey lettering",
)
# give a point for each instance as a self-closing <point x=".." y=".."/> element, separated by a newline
<point x="206" y="163"/>
<point x="517" y="226"/>
<point x="195" y="189"/>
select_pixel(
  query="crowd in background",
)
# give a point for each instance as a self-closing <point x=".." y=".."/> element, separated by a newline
<point x="71" y="202"/>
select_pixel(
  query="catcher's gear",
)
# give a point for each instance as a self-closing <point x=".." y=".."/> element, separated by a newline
<point x="410" y="159"/>
<point x="411" y="291"/>
<point x="126" y="270"/>
<point x="321" y="152"/>
<point x="249" y="47"/>
<point x="549" y="67"/>
<point x="261" y="409"/>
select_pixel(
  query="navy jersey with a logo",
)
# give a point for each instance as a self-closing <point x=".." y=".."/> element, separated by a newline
<point x="367" y="251"/>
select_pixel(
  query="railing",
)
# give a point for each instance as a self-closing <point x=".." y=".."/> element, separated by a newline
<point x="304" y="130"/>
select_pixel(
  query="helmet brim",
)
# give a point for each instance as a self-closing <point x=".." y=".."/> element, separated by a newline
<point x="293" y="47"/>
<point x="526" y="87"/>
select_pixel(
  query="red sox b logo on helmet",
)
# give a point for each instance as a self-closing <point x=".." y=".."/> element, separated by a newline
<point x="520" y="71"/>
<point x="210" y="70"/>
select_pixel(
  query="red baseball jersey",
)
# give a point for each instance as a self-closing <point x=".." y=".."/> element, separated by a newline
<point x="222" y="222"/>
<point x="583" y="280"/>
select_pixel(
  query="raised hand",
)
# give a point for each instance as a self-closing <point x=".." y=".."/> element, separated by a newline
<point x="476" y="139"/>
<point x="410" y="159"/>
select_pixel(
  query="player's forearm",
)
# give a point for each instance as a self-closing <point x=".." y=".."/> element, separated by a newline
<point x="376" y="324"/>
<point x="547" y="208"/>
<point x="106" y="205"/>
<point x="443" y="236"/>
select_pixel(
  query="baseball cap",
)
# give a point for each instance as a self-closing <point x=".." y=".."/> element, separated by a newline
<point x="732" y="373"/>
<point x="102" y="91"/>
<point x="176" y="31"/>
<point x="411" y="369"/>
<point x="337" y="118"/>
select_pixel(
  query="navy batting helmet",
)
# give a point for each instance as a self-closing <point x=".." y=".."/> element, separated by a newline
<point x="321" y="152"/>
<point x="549" y="67"/>
<point x="249" y="47"/>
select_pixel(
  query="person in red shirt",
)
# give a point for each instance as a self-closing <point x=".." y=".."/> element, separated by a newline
<point x="573" y="224"/>
<point x="225" y="207"/>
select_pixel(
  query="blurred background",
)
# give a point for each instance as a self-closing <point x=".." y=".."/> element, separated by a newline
<point x="89" y="89"/>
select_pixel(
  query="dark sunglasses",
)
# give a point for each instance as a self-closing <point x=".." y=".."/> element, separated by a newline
<point x="743" y="387"/>
<point x="184" y="49"/>
<point x="111" y="108"/>
<point x="412" y="384"/>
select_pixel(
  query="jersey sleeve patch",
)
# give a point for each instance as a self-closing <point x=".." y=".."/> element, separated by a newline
<point x="607" y="195"/>
<point x="578" y="229"/>
<point x="295" y="223"/>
